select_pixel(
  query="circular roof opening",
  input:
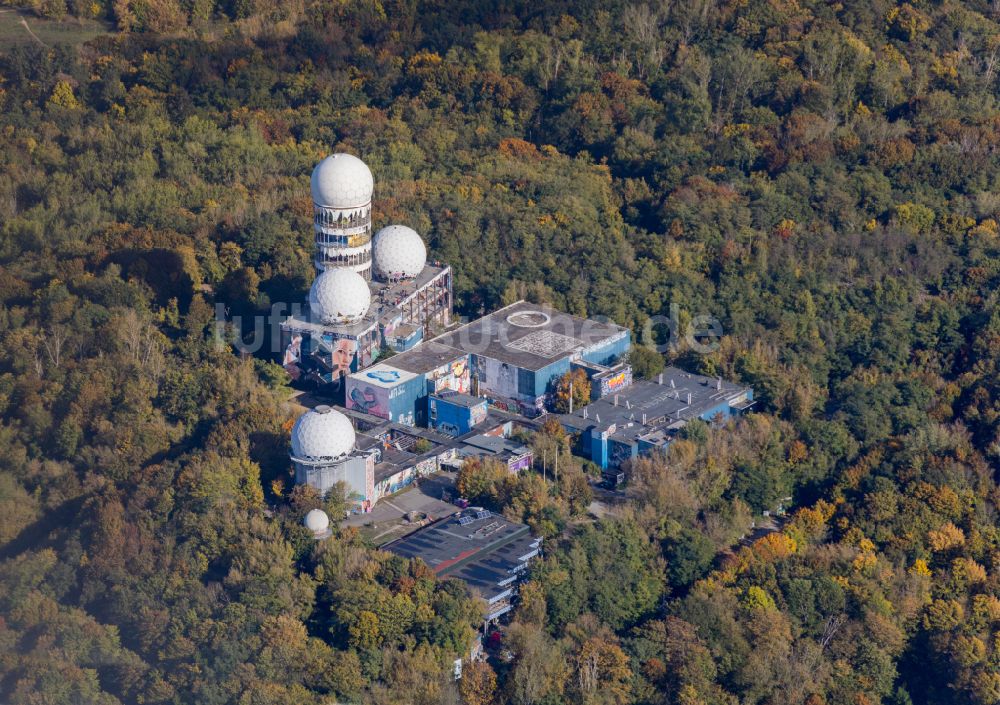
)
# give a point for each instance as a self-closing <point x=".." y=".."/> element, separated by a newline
<point x="528" y="319"/>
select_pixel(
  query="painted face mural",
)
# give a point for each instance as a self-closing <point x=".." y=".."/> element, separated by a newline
<point x="293" y="353"/>
<point x="342" y="357"/>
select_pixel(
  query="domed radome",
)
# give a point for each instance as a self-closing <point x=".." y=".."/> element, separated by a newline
<point x="322" y="434"/>
<point x="318" y="523"/>
<point x="339" y="296"/>
<point x="342" y="181"/>
<point x="399" y="252"/>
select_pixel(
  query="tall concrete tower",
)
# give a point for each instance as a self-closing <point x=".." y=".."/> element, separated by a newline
<point x="342" y="188"/>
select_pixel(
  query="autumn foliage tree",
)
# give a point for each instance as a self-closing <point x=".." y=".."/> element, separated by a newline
<point x="572" y="391"/>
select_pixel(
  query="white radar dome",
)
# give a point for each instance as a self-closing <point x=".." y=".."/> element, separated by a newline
<point x="398" y="251"/>
<point x="317" y="522"/>
<point x="339" y="296"/>
<point x="322" y="433"/>
<point x="342" y="181"/>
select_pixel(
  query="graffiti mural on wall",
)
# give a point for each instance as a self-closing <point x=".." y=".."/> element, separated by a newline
<point x="369" y="400"/>
<point x="292" y="357"/>
<point x="400" y="480"/>
<point x="501" y="431"/>
<point x="477" y="414"/>
<point x="370" y="480"/>
<point x="507" y="405"/>
<point x="366" y="356"/>
<point x="389" y="331"/>
<point x="615" y="382"/>
<point x="454" y="376"/>
<point x="520" y="462"/>
<point x="342" y="356"/>
<point x="293" y="353"/>
<point x="405" y="477"/>
<point x="618" y="453"/>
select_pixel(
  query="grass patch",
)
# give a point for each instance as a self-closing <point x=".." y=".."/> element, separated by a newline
<point x="13" y="31"/>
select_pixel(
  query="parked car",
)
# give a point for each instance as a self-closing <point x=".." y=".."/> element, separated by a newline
<point x="461" y="503"/>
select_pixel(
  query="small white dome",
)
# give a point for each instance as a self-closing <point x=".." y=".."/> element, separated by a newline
<point x="342" y="181"/>
<point x="317" y="521"/>
<point x="340" y="296"/>
<point x="399" y="252"/>
<point x="322" y="433"/>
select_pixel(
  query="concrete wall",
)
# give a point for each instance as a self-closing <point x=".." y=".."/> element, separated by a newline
<point x="495" y="377"/>
<point x="352" y="471"/>
<point x="405" y="476"/>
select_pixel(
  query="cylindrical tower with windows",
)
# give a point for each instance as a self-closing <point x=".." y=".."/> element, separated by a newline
<point x="342" y="188"/>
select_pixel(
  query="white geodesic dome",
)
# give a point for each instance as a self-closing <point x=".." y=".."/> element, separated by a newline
<point x="339" y="296"/>
<point x="322" y="434"/>
<point x="317" y="521"/>
<point x="342" y="181"/>
<point x="398" y="251"/>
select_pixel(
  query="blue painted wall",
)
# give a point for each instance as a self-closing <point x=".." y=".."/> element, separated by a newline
<point x="598" y="449"/>
<point x="610" y="352"/>
<point x="645" y="447"/>
<point x="546" y="377"/>
<point x="402" y="344"/>
<point x="451" y="419"/>
<point x="408" y="402"/>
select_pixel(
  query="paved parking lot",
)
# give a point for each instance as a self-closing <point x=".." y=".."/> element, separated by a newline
<point x="387" y="520"/>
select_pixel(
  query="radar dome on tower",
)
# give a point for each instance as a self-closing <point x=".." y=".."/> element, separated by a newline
<point x="322" y="434"/>
<point x="399" y="252"/>
<point x="339" y="296"/>
<point x="342" y="181"/>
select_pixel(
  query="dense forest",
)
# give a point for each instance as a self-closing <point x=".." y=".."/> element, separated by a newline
<point x="822" y="177"/>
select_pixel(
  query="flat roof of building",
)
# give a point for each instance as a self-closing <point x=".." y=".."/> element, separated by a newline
<point x="530" y="336"/>
<point x="481" y="548"/>
<point x="306" y="323"/>
<point x="405" y="330"/>
<point x="383" y="375"/>
<point x="662" y="402"/>
<point x="495" y="444"/>
<point x="387" y="297"/>
<point x="493" y="573"/>
<point x="425" y="357"/>
<point x="392" y="294"/>
<point x="371" y="430"/>
<point x="458" y="398"/>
